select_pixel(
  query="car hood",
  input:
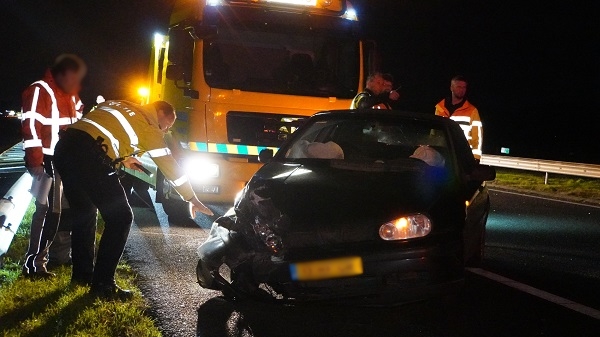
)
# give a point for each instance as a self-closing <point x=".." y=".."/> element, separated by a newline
<point x="320" y="203"/>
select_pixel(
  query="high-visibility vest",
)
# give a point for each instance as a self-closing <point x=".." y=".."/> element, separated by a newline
<point x="129" y="129"/>
<point x="468" y="118"/>
<point x="356" y="102"/>
<point x="46" y="111"/>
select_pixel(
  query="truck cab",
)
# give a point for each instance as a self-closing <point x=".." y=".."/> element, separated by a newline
<point x="243" y="75"/>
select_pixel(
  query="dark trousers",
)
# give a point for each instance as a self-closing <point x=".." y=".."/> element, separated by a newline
<point x="90" y="185"/>
<point x="44" y="224"/>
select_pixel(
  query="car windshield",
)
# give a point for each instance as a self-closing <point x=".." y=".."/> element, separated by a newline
<point x="282" y="63"/>
<point x="382" y="141"/>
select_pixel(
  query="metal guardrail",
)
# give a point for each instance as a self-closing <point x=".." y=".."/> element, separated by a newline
<point x="12" y="217"/>
<point x="547" y="166"/>
<point x="11" y="160"/>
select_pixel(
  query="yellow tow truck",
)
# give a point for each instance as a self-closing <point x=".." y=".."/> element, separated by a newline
<point x="242" y="75"/>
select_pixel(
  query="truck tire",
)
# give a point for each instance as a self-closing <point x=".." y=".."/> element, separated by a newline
<point x="177" y="210"/>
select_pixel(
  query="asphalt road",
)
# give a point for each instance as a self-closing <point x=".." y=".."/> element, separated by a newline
<point x="550" y="245"/>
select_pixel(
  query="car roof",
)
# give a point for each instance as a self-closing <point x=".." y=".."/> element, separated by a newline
<point x="383" y="113"/>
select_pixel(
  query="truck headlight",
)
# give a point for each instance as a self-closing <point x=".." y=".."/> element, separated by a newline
<point x="200" y="169"/>
<point x="406" y="227"/>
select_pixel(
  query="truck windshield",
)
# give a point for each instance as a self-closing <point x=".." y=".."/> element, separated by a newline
<point x="282" y="63"/>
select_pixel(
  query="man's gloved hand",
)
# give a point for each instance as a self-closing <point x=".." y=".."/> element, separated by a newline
<point x="37" y="172"/>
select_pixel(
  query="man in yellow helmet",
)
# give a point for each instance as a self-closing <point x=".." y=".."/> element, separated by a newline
<point x="86" y="155"/>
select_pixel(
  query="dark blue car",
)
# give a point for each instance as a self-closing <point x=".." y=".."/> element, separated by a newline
<point x="374" y="206"/>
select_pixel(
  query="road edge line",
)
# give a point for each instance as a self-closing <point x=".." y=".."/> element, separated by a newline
<point x="546" y="198"/>
<point x="580" y="308"/>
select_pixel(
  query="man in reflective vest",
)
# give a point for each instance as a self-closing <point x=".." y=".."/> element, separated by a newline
<point x="86" y="155"/>
<point x="378" y="93"/>
<point x="49" y="105"/>
<point x="458" y="108"/>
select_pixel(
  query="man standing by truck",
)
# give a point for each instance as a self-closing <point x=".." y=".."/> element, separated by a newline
<point x="88" y="157"/>
<point x="378" y="94"/>
<point x="49" y="105"/>
<point x="458" y="108"/>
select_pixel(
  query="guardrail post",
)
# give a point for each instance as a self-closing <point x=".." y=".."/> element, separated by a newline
<point x="546" y="179"/>
<point x="13" y="217"/>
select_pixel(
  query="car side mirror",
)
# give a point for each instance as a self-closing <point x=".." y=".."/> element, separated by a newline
<point x="482" y="173"/>
<point x="265" y="156"/>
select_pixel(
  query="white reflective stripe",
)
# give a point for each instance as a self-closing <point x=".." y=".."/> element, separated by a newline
<point x="477" y="152"/>
<point x="34" y="102"/>
<point x="467" y="130"/>
<point x="113" y="140"/>
<point x="32" y="143"/>
<point x="55" y="113"/>
<point x="476" y="123"/>
<point x="159" y="152"/>
<point x="180" y="181"/>
<point x="48" y="151"/>
<point x="47" y="121"/>
<point x="479" y="137"/>
<point x="78" y="105"/>
<point x="461" y="119"/>
<point x="133" y="138"/>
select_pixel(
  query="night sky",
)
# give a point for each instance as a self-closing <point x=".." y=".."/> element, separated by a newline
<point x="533" y="66"/>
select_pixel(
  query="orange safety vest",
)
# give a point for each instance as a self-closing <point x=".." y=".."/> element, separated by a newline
<point x="46" y="110"/>
<point x="468" y="118"/>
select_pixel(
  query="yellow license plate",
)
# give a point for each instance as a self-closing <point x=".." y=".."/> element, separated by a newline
<point x="326" y="269"/>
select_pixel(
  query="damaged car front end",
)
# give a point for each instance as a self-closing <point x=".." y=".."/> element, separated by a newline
<point x="347" y="210"/>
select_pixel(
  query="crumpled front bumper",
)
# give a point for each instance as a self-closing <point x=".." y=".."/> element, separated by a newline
<point x="390" y="275"/>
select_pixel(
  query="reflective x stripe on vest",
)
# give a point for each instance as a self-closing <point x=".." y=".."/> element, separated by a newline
<point x="133" y="138"/>
<point x="55" y="119"/>
<point x="248" y="150"/>
<point x="35" y="141"/>
<point x="113" y="141"/>
<point x="54" y="122"/>
<point x="465" y="124"/>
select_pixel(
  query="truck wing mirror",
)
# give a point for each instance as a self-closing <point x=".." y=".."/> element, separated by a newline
<point x="265" y="156"/>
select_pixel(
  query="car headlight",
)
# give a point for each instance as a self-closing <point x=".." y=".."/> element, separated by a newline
<point x="406" y="227"/>
<point x="266" y="234"/>
<point x="200" y="169"/>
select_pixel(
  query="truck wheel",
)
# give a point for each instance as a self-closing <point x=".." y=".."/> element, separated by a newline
<point x="177" y="210"/>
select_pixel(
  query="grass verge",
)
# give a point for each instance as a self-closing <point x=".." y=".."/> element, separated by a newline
<point x="559" y="186"/>
<point x="54" y="308"/>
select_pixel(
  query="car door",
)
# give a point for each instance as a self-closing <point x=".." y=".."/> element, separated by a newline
<point x="475" y="195"/>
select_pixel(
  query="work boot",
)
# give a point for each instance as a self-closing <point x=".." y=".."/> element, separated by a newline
<point x="81" y="281"/>
<point x="39" y="275"/>
<point x="110" y="292"/>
